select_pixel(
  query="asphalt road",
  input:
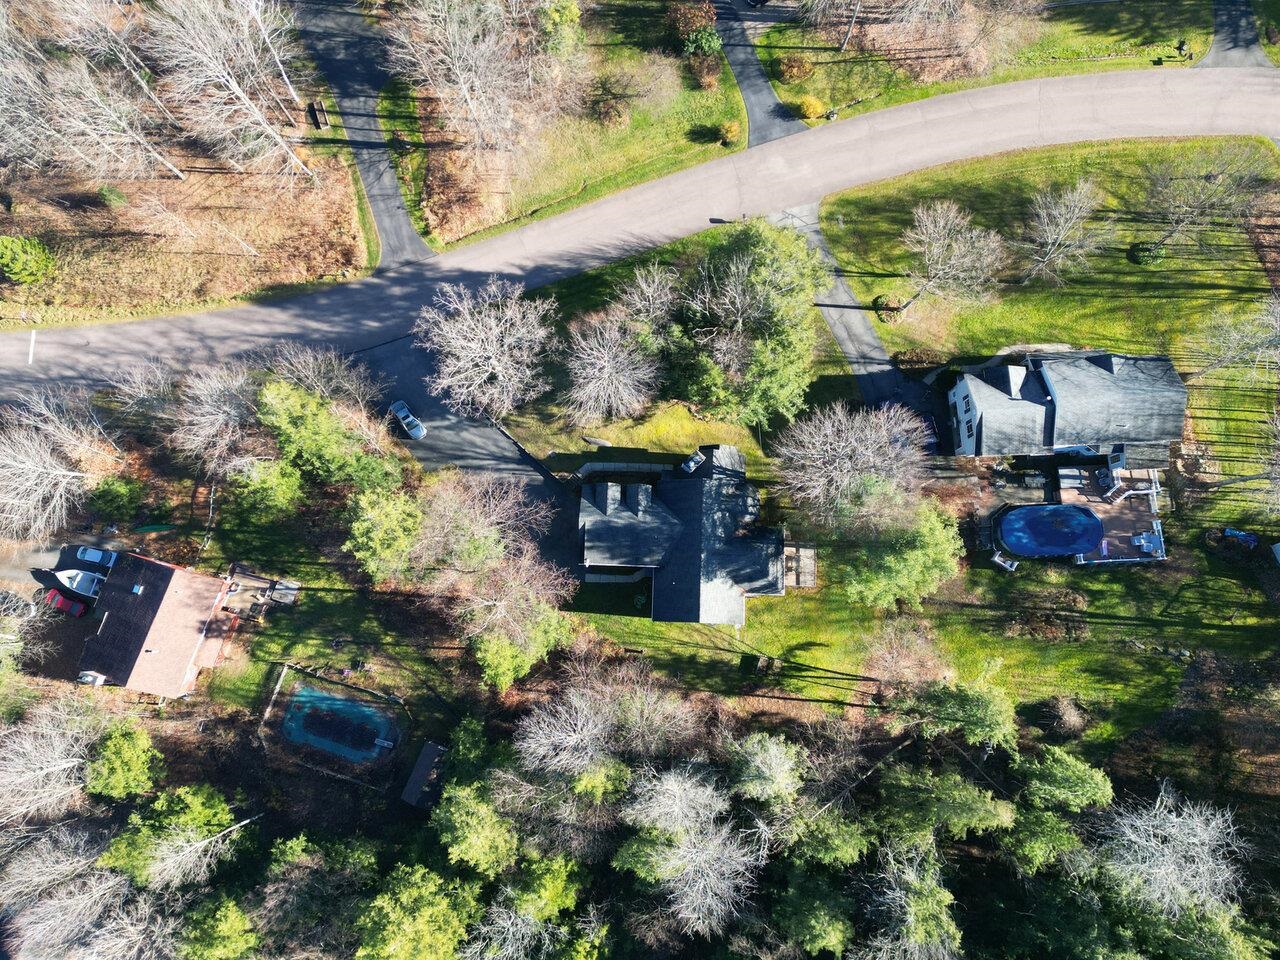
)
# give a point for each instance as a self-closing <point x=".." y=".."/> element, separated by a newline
<point x="787" y="173"/>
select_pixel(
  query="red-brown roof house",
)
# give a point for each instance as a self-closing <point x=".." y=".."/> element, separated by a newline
<point x="160" y="625"/>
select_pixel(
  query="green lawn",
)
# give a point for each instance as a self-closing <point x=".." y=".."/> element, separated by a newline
<point x="1269" y="16"/>
<point x="1195" y="600"/>
<point x="672" y="123"/>
<point x="1081" y="38"/>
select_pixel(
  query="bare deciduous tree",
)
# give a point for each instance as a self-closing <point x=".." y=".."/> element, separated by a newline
<point x="107" y="33"/>
<point x="651" y="295"/>
<point x="470" y="520"/>
<point x="43" y="760"/>
<point x="684" y="799"/>
<point x="187" y="856"/>
<point x="68" y="918"/>
<point x="505" y="933"/>
<point x="1220" y="190"/>
<point x="613" y="375"/>
<point x="39" y="485"/>
<point x="1059" y="238"/>
<point x="1174" y="854"/>
<point x="489" y="346"/>
<point x="708" y="875"/>
<point x="223" y="59"/>
<point x="24" y="629"/>
<point x="327" y="373"/>
<point x="484" y="62"/>
<point x="954" y="258"/>
<point x="512" y="597"/>
<point x="727" y="304"/>
<point x="904" y="651"/>
<point x="214" y="408"/>
<point x="53" y="857"/>
<point x="838" y="463"/>
<point x="1253" y="343"/>
<point x="145" y="388"/>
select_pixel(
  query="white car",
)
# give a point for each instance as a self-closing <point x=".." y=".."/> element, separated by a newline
<point x="412" y="425"/>
<point x="80" y="581"/>
<point x="103" y="558"/>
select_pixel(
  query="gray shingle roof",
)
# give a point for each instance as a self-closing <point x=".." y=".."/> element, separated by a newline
<point x="624" y="525"/>
<point x="1108" y="399"/>
<point x="1070" y="399"/>
<point x="711" y="561"/>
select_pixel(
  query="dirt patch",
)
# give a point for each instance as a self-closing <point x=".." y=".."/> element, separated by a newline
<point x="174" y="243"/>
<point x="972" y="44"/>
<point x="1264" y="230"/>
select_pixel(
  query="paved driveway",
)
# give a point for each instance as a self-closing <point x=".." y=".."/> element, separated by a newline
<point x="1235" y="37"/>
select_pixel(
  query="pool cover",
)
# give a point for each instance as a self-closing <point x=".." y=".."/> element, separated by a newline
<point x="1050" y="530"/>
<point x="355" y="731"/>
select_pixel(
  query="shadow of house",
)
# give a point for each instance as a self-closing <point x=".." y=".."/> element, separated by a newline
<point x="159" y="626"/>
<point x="690" y="529"/>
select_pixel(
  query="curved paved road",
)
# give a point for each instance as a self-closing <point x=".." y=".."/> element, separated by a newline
<point x="375" y="314"/>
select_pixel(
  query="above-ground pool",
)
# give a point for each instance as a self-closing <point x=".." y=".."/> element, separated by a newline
<point x="355" y="731"/>
<point x="1050" y="530"/>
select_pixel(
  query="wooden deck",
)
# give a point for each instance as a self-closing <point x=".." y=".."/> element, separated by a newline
<point x="800" y="564"/>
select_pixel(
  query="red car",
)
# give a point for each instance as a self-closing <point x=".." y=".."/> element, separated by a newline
<point x="56" y="600"/>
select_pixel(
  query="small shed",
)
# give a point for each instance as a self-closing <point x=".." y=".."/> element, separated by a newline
<point x="423" y="785"/>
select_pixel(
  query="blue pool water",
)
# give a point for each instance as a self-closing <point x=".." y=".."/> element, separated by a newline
<point x="339" y="725"/>
<point x="1050" y="530"/>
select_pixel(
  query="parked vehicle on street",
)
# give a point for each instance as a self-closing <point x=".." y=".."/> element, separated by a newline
<point x="72" y="608"/>
<point x="412" y="425"/>
<point x="82" y="582"/>
<point x="94" y="555"/>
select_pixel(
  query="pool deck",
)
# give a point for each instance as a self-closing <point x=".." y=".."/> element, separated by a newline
<point x="1131" y="512"/>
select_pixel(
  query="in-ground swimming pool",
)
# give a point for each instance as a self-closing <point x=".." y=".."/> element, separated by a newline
<point x="356" y="732"/>
<point x="1050" y="530"/>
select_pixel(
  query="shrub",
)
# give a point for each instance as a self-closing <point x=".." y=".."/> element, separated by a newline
<point x="612" y="111"/>
<point x="689" y="16"/>
<point x="561" y="24"/>
<point x="1145" y="254"/>
<point x="729" y="132"/>
<point x="116" y="499"/>
<point x="125" y="765"/>
<point x="793" y="68"/>
<point x="703" y="42"/>
<point x="112" y="197"/>
<point x="902" y="565"/>
<point x="809" y="107"/>
<point x="706" y="70"/>
<point x="25" y="260"/>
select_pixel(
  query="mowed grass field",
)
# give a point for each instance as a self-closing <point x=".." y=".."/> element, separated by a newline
<point x="1076" y="38"/>
<point x="1196" y="601"/>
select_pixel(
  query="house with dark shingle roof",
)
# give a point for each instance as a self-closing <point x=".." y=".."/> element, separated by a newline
<point x="1057" y="401"/>
<point x="159" y="625"/>
<point x="693" y="533"/>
